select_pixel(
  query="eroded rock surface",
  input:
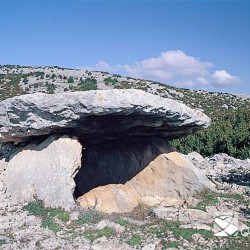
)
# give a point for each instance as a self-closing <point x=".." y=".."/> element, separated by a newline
<point x="45" y="171"/>
<point x="228" y="173"/>
<point x="97" y="115"/>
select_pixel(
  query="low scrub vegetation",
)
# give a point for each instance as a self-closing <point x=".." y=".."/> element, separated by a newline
<point x="229" y="133"/>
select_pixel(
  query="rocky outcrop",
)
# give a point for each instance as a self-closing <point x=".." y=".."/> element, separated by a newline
<point x="97" y="115"/>
<point x="228" y="173"/>
<point x="45" y="171"/>
<point x="113" y="198"/>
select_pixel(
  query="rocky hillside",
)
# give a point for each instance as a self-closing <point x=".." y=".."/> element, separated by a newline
<point x="172" y="226"/>
<point x="75" y="179"/>
<point x="16" y="80"/>
<point x="229" y="132"/>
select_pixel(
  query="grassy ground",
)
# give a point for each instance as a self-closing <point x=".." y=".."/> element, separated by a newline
<point x="168" y="233"/>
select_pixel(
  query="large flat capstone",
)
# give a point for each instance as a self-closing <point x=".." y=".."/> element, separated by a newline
<point x="97" y="115"/>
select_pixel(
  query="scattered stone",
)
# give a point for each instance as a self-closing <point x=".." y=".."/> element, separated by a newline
<point x="135" y="222"/>
<point x="74" y="216"/>
<point x="111" y="245"/>
<point x="198" y="226"/>
<point x="192" y="201"/>
<point x="195" y="157"/>
<point x="105" y="223"/>
<point x="167" y="213"/>
<point x="229" y="174"/>
<point x="150" y="246"/>
<point x="184" y="215"/>
<point x="151" y="200"/>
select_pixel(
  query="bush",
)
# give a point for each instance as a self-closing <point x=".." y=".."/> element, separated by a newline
<point x="110" y="80"/>
<point x="71" y="79"/>
<point x="51" y="88"/>
<point x="87" y="84"/>
<point x="229" y="133"/>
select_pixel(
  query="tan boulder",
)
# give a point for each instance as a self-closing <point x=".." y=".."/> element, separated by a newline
<point x="169" y="175"/>
<point x="112" y="198"/>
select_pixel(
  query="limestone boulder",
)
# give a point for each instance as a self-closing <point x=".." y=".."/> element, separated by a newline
<point x="112" y="198"/>
<point x="45" y="171"/>
<point x="97" y="115"/>
<point x="169" y="175"/>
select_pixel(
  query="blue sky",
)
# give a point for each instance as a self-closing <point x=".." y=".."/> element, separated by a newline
<point x="193" y="44"/>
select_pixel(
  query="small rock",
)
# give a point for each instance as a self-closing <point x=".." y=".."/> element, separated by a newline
<point x="150" y="246"/>
<point x="192" y="202"/>
<point x="105" y="223"/>
<point x="197" y="226"/>
<point x="74" y="216"/>
<point x="103" y="239"/>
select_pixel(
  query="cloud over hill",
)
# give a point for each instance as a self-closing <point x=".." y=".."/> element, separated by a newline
<point x="175" y="67"/>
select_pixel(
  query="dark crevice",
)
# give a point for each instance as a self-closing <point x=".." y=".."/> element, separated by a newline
<point x="116" y="161"/>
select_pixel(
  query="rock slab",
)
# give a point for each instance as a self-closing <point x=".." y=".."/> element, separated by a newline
<point x="97" y="115"/>
<point x="45" y="171"/>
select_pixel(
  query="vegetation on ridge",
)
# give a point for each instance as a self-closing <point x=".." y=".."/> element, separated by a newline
<point x="229" y="133"/>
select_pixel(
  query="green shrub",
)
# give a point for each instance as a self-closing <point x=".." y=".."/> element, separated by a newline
<point x="90" y="216"/>
<point x="110" y="80"/>
<point x="50" y="224"/>
<point x="93" y="235"/>
<point x="87" y="84"/>
<point x="70" y="79"/>
<point x="135" y="240"/>
<point x="51" y="88"/>
<point x="229" y="133"/>
<point x="39" y="74"/>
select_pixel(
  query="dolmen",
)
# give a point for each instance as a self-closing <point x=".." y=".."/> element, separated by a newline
<point x="102" y="149"/>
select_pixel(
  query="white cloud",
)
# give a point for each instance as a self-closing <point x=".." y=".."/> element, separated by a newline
<point x="173" y="67"/>
<point x="102" y="66"/>
<point x="222" y="77"/>
<point x="169" y="65"/>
